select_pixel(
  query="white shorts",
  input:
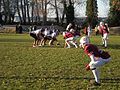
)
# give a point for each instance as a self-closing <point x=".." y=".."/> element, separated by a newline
<point x="99" y="62"/>
<point x="69" y="39"/>
<point x="105" y="36"/>
<point x="89" y="34"/>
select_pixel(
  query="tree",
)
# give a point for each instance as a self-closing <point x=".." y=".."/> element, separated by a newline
<point x="18" y="10"/>
<point x="114" y="13"/>
<point x="64" y="10"/>
<point x="70" y="12"/>
<point x="57" y="15"/>
<point x="32" y="4"/>
<point x="55" y="5"/>
<point x="1" y="22"/>
<point x="8" y="10"/>
<point x="44" y="9"/>
<point x="92" y="12"/>
<point x="28" y="14"/>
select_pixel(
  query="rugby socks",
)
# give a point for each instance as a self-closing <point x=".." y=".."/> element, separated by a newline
<point x="105" y="42"/>
<point x="68" y="44"/>
<point x="96" y="75"/>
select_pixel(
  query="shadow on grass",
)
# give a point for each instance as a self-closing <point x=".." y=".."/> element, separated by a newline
<point x="103" y="80"/>
<point x="15" y="40"/>
<point x="110" y="46"/>
<point x="114" y="46"/>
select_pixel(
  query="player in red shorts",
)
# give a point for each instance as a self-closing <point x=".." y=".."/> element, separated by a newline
<point x="98" y="58"/>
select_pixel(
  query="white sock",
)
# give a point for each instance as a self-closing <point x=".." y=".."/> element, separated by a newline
<point x="96" y="75"/>
<point x="68" y="44"/>
<point x="74" y="44"/>
<point x="105" y="43"/>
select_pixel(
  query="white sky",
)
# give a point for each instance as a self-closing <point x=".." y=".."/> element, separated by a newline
<point x="103" y="9"/>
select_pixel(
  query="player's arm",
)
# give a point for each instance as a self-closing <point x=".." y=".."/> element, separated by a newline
<point x="92" y="60"/>
<point x="89" y="52"/>
<point x="92" y="57"/>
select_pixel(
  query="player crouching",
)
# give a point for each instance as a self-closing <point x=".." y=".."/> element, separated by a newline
<point x="98" y="58"/>
<point x="37" y="37"/>
<point x="69" y="38"/>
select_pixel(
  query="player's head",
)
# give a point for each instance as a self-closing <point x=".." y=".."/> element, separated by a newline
<point x="106" y="24"/>
<point x="72" y="30"/>
<point x="83" y="41"/>
<point x="101" y="23"/>
<point x="70" y="24"/>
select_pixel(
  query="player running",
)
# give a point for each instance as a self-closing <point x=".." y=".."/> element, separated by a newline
<point x="104" y="30"/>
<point x="98" y="58"/>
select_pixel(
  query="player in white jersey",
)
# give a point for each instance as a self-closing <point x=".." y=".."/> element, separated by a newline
<point x="53" y="37"/>
<point x="37" y="36"/>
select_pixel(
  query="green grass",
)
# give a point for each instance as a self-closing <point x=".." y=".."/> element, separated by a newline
<point x="53" y="68"/>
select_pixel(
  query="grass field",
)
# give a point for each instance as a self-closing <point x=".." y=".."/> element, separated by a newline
<point x="53" y="68"/>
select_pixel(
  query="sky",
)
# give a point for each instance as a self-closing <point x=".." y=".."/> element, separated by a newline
<point x="103" y="9"/>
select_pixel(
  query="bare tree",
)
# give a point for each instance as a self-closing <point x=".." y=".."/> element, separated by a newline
<point x="18" y="11"/>
<point x="28" y="10"/>
<point x="23" y="11"/>
<point x="44" y="11"/>
<point x="32" y="10"/>
<point x="37" y="11"/>
<point x="5" y="11"/>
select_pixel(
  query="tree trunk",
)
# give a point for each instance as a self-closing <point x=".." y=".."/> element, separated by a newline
<point x="44" y="11"/>
<point x="5" y="11"/>
<point x="57" y="15"/>
<point x="1" y="21"/>
<point x="37" y="12"/>
<point x="8" y="10"/>
<point x="64" y="11"/>
<point x="22" y="9"/>
<point x="18" y="10"/>
<point x="32" y="12"/>
<point x="28" y="11"/>
<point x="0" y="5"/>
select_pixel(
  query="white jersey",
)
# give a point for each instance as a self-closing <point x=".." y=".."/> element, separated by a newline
<point x="53" y="34"/>
<point x="89" y="29"/>
<point x="36" y="31"/>
<point x="47" y="33"/>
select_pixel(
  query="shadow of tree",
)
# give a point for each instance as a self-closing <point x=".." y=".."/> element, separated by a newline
<point x="25" y="78"/>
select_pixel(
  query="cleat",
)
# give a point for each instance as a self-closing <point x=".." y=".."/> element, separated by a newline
<point x="58" y="44"/>
<point x="105" y="47"/>
<point x="96" y="84"/>
<point x="39" y="45"/>
<point x="67" y="47"/>
<point x="34" y="46"/>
